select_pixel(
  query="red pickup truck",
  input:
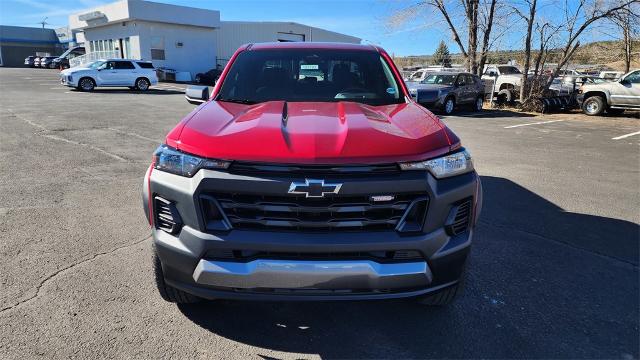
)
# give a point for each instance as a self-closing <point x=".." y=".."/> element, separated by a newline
<point x="311" y="174"/>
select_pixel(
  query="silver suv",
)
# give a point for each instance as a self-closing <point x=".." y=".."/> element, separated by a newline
<point x="613" y="97"/>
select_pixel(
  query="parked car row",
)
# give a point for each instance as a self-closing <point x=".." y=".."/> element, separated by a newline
<point x="54" y="62"/>
<point x="448" y="90"/>
<point x="134" y="74"/>
<point x="40" y="61"/>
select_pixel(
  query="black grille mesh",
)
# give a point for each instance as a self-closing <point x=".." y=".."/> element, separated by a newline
<point x="334" y="213"/>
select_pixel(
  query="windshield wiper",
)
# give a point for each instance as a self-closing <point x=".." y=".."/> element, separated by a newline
<point x="240" y="101"/>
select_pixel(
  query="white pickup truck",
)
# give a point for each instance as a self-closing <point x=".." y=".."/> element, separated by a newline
<point x="507" y="78"/>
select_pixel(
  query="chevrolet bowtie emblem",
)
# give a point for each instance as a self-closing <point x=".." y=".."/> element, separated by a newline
<point x="313" y="188"/>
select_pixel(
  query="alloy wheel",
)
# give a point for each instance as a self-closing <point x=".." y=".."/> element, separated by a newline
<point x="142" y="84"/>
<point x="86" y="84"/>
<point x="448" y="106"/>
<point x="592" y="107"/>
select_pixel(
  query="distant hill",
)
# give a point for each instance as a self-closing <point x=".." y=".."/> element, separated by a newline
<point x="606" y="53"/>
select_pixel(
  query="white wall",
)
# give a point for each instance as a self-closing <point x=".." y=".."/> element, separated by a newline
<point x="116" y="31"/>
<point x="198" y="53"/>
<point x="173" y="14"/>
<point x="116" y="11"/>
<point x="148" y="11"/>
<point x="233" y="34"/>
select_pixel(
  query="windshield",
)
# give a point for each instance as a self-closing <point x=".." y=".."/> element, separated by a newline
<point x="322" y="75"/>
<point x="95" y="64"/>
<point x="508" y="70"/>
<point x="416" y="75"/>
<point x="440" y="79"/>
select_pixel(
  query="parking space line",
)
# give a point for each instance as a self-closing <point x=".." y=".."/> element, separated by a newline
<point x="535" y="123"/>
<point x="626" y="135"/>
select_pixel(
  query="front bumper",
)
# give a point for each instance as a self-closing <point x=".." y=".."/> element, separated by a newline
<point x="188" y="263"/>
<point x="319" y="275"/>
<point x="68" y="80"/>
<point x="429" y="100"/>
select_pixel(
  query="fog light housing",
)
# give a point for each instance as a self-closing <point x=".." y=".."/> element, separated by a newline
<point x="166" y="216"/>
<point x="213" y="215"/>
<point x="413" y="219"/>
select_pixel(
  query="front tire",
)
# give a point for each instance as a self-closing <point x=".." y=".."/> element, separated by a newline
<point x="168" y="292"/>
<point x="142" y="84"/>
<point x="593" y="106"/>
<point x="479" y="103"/>
<point x="86" y="84"/>
<point x="505" y="96"/>
<point x="449" y="106"/>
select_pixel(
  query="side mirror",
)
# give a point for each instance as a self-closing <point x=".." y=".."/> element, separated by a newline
<point x="625" y="82"/>
<point x="196" y="94"/>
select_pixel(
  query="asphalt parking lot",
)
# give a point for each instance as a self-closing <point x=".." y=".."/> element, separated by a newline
<point x="554" y="265"/>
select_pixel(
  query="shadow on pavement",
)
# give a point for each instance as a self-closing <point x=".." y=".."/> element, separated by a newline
<point x="525" y="297"/>
<point x="487" y="113"/>
<point x="514" y="207"/>
<point x="151" y="91"/>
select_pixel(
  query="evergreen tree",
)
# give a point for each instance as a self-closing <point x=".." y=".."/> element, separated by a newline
<point x="442" y="56"/>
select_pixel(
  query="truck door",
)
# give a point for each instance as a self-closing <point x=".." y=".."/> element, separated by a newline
<point x="627" y="90"/>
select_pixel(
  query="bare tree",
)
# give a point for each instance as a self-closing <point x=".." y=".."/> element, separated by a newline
<point x="546" y="32"/>
<point x="530" y="20"/>
<point x="579" y="19"/>
<point x="471" y="11"/>
<point x="627" y="20"/>
<point x="487" y="26"/>
<point x="475" y="23"/>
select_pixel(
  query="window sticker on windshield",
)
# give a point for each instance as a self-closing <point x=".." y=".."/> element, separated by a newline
<point x="309" y="66"/>
<point x="391" y="91"/>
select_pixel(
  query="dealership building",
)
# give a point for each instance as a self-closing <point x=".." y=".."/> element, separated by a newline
<point x="182" y="38"/>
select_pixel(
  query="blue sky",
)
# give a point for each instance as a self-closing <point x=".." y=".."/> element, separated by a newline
<point x="366" y="19"/>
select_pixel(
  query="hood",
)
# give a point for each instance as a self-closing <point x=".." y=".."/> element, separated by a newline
<point x="74" y="69"/>
<point x="435" y="87"/>
<point x="313" y="133"/>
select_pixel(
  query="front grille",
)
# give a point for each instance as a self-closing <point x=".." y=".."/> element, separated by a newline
<point x="331" y="213"/>
<point x="378" y="256"/>
<point x="426" y="95"/>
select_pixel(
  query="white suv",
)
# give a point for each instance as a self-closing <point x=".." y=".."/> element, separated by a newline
<point x="135" y="74"/>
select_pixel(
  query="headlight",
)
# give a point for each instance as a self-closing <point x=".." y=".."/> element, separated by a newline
<point x="443" y="167"/>
<point x="174" y="161"/>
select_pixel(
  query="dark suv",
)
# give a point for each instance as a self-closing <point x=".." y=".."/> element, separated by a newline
<point x="311" y="174"/>
<point x="447" y="91"/>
